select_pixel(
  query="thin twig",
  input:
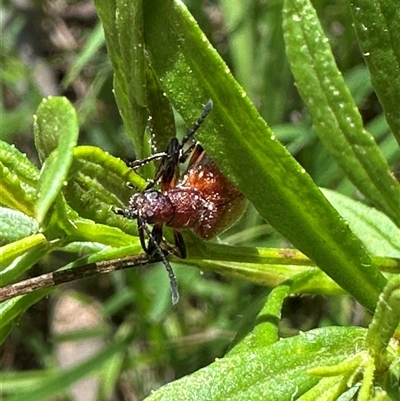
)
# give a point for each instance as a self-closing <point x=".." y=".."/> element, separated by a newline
<point x="74" y="273"/>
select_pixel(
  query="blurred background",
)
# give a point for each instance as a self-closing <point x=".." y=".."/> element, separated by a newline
<point x="57" y="48"/>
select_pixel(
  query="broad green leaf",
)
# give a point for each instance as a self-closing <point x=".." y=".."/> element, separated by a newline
<point x="378" y="233"/>
<point x="244" y="148"/>
<point x="15" y="225"/>
<point x="377" y="24"/>
<point x="335" y="115"/>
<point x="56" y="134"/>
<point x="276" y="372"/>
<point x="123" y="29"/>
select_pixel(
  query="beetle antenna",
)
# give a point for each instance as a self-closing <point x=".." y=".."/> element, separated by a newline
<point x="197" y="124"/>
<point x="139" y="163"/>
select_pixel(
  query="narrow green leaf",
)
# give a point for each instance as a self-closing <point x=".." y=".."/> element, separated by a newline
<point x="162" y="117"/>
<point x="378" y="233"/>
<point x="271" y="373"/>
<point x="15" y="225"/>
<point x="11" y="309"/>
<point x="335" y="115"/>
<point x="243" y="146"/>
<point x="92" y="45"/>
<point x="386" y="319"/>
<point x="60" y="382"/>
<point x="27" y="257"/>
<point x="4" y="332"/>
<point x="349" y="369"/>
<point x="18" y="179"/>
<point x="12" y="192"/>
<point x="328" y="389"/>
<point x="10" y="252"/>
<point x="106" y="254"/>
<point x="88" y="230"/>
<point x="358" y="81"/>
<point x="265" y="330"/>
<point x="56" y="134"/>
<point x="377" y="24"/>
<point x="66" y="224"/>
<point x="22" y="381"/>
<point x="98" y="183"/>
<point x="123" y="28"/>
<point x="55" y="124"/>
<point x="18" y="162"/>
<point x="240" y="24"/>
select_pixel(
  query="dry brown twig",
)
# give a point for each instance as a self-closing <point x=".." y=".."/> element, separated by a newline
<point x="72" y="274"/>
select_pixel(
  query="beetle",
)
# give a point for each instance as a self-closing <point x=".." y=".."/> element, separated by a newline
<point x="203" y="199"/>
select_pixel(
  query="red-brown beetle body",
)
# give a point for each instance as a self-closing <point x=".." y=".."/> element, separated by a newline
<point x="204" y="200"/>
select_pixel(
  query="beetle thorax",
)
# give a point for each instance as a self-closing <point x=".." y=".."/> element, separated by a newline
<point x="152" y="206"/>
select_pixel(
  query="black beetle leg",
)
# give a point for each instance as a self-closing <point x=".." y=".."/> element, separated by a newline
<point x="180" y="244"/>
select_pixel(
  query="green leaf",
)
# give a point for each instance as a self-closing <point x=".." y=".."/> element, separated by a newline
<point x="358" y="81"/>
<point x="11" y="309"/>
<point x="20" y="256"/>
<point x="378" y="233"/>
<point x="12" y="194"/>
<point x="266" y="267"/>
<point x="10" y="252"/>
<point x="386" y="320"/>
<point x="378" y="29"/>
<point x="335" y="115"/>
<point x="59" y="382"/>
<point x="243" y="146"/>
<point x="56" y="134"/>
<point x="66" y="225"/>
<point x="15" y="225"/>
<point x="88" y="230"/>
<point x="92" y="45"/>
<point x="18" y="162"/>
<point x="162" y="117"/>
<point x="329" y="389"/>
<point x="123" y="29"/>
<point x="98" y="183"/>
<point x="274" y="373"/>
<point x="106" y="254"/>
<point x="18" y="179"/>
<point x="265" y="330"/>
